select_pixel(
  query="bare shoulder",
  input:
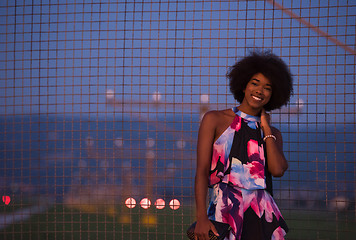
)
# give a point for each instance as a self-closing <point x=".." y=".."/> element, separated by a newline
<point x="218" y="116"/>
<point x="217" y="121"/>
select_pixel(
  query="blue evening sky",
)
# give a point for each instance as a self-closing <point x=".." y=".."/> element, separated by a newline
<point x="61" y="57"/>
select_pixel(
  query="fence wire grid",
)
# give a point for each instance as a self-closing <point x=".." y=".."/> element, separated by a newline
<point x="100" y="103"/>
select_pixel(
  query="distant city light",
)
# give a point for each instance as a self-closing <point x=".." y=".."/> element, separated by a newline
<point x="204" y="98"/>
<point x="110" y="94"/>
<point x="300" y="103"/>
<point x="119" y="142"/>
<point x="339" y="203"/>
<point x="174" y="204"/>
<point x="160" y="203"/>
<point x="145" y="203"/>
<point x="156" y="97"/>
<point x="180" y="144"/>
<point x="130" y="202"/>
<point x="6" y="199"/>
<point x="150" y="142"/>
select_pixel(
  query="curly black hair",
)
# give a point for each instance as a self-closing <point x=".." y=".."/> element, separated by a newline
<point x="272" y="67"/>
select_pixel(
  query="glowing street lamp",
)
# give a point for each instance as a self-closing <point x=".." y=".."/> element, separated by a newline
<point x="160" y="203"/>
<point x="130" y="202"/>
<point x="145" y="203"/>
<point x="174" y="204"/>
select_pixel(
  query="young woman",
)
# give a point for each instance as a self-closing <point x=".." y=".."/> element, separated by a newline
<point x="238" y="151"/>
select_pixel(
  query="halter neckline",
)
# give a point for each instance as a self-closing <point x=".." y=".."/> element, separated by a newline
<point x="246" y="116"/>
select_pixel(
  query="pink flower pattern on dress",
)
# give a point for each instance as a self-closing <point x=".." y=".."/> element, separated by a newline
<point x="222" y="146"/>
<point x="237" y="179"/>
<point x="256" y="170"/>
<point x="278" y="234"/>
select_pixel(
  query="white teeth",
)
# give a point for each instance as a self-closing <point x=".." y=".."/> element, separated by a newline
<point x="257" y="98"/>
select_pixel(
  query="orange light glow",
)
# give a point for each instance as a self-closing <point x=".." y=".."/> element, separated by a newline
<point x="174" y="204"/>
<point x="160" y="203"/>
<point x="130" y="202"/>
<point x="145" y="203"/>
<point x="6" y="199"/>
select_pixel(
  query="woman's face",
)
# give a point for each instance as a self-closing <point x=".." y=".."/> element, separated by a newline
<point x="258" y="92"/>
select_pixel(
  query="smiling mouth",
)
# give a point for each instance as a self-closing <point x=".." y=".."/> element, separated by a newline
<point x="257" y="98"/>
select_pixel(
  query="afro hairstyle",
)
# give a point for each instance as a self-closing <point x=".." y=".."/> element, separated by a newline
<point x="272" y="67"/>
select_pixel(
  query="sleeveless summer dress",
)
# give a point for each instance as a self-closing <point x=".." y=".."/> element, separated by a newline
<point x="241" y="186"/>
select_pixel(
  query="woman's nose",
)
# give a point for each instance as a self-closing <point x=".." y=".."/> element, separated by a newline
<point x="259" y="90"/>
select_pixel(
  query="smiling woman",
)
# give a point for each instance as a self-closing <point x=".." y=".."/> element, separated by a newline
<point x="258" y="92"/>
<point x="272" y="68"/>
<point x="238" y="152"/>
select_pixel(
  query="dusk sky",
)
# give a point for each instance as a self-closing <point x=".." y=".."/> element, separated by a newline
<point x="62" y="58"/>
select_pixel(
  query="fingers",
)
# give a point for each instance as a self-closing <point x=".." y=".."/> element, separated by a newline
<point x="205" y="236"/>
<point x="265" y="122"/>
<point x="263" y="111"/>
<point x="202" y="230"/>
<point x="265" y="115"/>
<point x="202" y="237"/>
<point x="213" y="229"/>
<point x="215" y="232"/>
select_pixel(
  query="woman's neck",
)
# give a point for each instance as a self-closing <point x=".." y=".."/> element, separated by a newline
<point x="249" y="111"/>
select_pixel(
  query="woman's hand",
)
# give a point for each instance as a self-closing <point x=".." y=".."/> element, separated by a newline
<point x="277" y="163"/>
<point x="202" y="229"/>
<point x="265" y="123"/>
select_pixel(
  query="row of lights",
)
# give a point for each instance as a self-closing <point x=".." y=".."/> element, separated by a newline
<point x="204" y="98"/>
<point x="119" y="142"/>
<point x="156" y="96"/>
<point x="145" y="203"/>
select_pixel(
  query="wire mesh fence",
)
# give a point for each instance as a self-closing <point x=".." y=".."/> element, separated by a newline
<point x="100" y="103"/>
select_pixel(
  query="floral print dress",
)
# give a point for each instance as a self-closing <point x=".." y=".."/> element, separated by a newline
<point x="241" y="186"/>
